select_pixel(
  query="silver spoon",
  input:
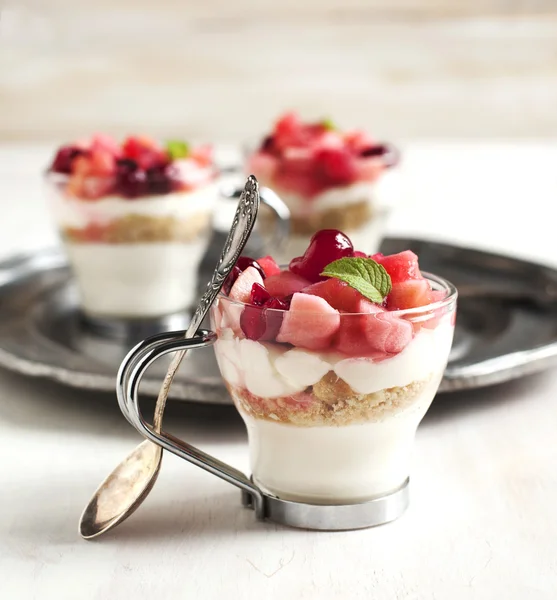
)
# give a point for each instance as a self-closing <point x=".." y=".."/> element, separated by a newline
<point x="121" y="493"/>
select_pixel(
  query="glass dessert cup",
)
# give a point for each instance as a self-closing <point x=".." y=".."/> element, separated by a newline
<point x="133" y="258"/>
<point x="333" y="427"/>
<point x="328" y="178"/>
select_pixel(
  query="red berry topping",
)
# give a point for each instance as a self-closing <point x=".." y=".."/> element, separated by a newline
<point x="63" y="160"/>
<point x="259" y="295"/>
<point x="245" y="261"/>
<point x="285" y="284"/>
<point x="336" y="166"/>
<point x="269" y="265"/>
<point x="325" y="247"/>
<point x="259" y="323"/>
<point x="337" y="293"/>
<point x="131" y="181"/>
<point x="401" y="267"/>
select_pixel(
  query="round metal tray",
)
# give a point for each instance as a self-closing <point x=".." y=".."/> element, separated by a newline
<point x="506" y="325"/>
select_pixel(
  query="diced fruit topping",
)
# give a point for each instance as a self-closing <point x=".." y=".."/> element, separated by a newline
<point x="241" y="265"/>
<point x="310" y="323"/>
<point x="259" y="295"/>
<point x="401" y="266"/>
<point x="351" y="309"/>
<point x="269" y="266"/>
<point x="241" y="290"/>
<point x="309" y="158"/>
<point x="409" y="294"/>
<point x="256" y="321"/>
<point x="137" y="167"/>
<point x="285" y="284"/>
<point x="337" y="293"/>
<point x="245" y="261"/>
<point x="64" y="158"/>
<point x="325" y="247"/>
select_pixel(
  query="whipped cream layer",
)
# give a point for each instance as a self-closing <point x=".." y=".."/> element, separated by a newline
<point x="70" y="211"/>
<point x="272" y="370"/>
<point x="136" y="280"/>
<point x="334" y="465"/>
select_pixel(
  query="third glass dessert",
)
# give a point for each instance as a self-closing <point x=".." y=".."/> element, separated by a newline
<point x="332" y="364"/>
<point x="135" y="218"/>
<point x="326" y="177"/>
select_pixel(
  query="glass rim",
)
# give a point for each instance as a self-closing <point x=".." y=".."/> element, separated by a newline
<point x="450" y="298"/>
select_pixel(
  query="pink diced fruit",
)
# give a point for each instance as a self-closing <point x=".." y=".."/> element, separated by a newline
<point x="285" y="284"/>
<point x="310" y="323"/>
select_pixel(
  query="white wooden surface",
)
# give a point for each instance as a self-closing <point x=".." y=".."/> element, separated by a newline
<point x="482" y="520"/>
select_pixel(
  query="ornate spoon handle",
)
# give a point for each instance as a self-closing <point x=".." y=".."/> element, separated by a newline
<point x="241" y="228"/>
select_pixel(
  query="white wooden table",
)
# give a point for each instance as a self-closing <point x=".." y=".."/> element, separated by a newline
<point x="482" y="521"/>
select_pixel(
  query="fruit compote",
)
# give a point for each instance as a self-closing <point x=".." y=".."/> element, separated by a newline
<point x="332" y="363"/>
<point x="327" y="177"/>
<point x="135" y="218"/>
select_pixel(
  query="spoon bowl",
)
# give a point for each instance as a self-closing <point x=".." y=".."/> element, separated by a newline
<point x="122" y="491"/>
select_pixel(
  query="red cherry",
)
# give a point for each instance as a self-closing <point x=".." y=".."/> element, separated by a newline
<point x="359" y="254"/>
<point x="259" y="323"/>
<point x="259" y="295"/>
<point x="336" y="166"/>
<point x="62" y="162"/>
<point x="325" y="247"/>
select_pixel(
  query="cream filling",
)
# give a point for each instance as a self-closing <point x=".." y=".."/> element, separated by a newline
<point x="136" y="280"/>
<point x="332" y="465"/>
<point x="74" y="212"/>
<point x="271" y="370"/>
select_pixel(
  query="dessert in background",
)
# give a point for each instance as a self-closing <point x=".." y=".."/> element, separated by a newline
<point x="332" y="363"/>
<point x="135" y="218"/>
<point x="326" y="177"/>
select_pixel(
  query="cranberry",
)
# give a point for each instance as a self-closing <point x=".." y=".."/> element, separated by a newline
<point x="131" y="181"/>
<point x="268" y="145"/>
<point x="260" y="323"/>
<point x="259" y="295"/>
<point x="62" y="162"/>
<point x="245" y="261"/>
<point x="158" y="181"/>
<point x="377" y="150"/>
<point x="336" y="166"/>
<point x="253" y="322"/>
<point x="325" y="247"/>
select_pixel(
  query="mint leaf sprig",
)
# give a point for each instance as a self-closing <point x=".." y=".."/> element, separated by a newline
<point x="177" y="149"/>
<point x="363" y="274"/>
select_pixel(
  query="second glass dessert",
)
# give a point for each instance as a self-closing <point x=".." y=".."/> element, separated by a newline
<point x="135" y="219"/>
<point x="327" y="178"/>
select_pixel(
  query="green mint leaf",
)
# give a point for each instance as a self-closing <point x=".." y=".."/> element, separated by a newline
<point x="363" y="274"/>
<point x="328" y="124"/>
<point x="177" y="149"/>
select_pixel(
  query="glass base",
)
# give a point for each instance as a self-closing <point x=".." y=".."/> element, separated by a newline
<point x="338" y="517"/>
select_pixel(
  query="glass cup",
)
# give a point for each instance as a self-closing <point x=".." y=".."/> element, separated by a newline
<point x="357" y="209"/>
<point x="134" y="258"/>
<point x="333" y="426"/>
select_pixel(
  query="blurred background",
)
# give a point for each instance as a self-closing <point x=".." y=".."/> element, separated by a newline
<point x="466" y="88"/>
<point x="221" y="70"/>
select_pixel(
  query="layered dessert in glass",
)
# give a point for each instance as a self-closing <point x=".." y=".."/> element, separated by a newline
<point x="332" y="362"/>
<point x="135" y="219"/>
<point x="327" y="177"/>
